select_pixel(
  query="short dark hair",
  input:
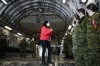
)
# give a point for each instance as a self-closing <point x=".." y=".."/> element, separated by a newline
<point x="92" y="7"/>
<point x="81" y="10"/>
<point x="45" y="23"/>
<point x="77" y="17"/>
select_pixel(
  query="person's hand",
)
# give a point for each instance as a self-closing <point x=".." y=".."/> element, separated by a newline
<point x="51" y="29"/>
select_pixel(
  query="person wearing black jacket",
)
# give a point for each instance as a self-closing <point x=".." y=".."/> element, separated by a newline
<point x="3" y="45"/>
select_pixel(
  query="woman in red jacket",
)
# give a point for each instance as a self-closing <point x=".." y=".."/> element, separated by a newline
<point x="45" y="35"/>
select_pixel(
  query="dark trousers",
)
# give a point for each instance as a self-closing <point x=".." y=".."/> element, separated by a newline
<point x="2" y="52"/>
<point x="46" y="44"/>
<point x="23" y="53"/>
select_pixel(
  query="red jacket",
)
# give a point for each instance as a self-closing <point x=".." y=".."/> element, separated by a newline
<point x="45" y="33"/>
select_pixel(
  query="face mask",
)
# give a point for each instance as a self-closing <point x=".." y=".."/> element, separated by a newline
<point x="79" y="14"/>
<point x="48" y="24"/>
<point x="90" y="13"/>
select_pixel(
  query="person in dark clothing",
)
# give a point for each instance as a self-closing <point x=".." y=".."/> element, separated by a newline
<point x="23" y="46"/>
<point x="3" y="45"/>
<point x="45" y="36"/>
<point x="33" y="47"/>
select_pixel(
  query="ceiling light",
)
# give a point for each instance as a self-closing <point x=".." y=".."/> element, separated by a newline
<point x="69" y="27"/>
<point x="84" y="1"/>
<point x="19" y="34"/>
<point x="27" y="38"/>
<point x="4" y="2"/>
<point x="7" y="27"/>
<point x="64" y="1"/>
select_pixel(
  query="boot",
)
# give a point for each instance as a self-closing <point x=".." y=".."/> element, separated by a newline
<point x="44" y="63"/>
<point x="49" y="61"/>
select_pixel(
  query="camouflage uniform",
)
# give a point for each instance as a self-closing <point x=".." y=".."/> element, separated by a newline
<point x="68" y="47"/>
<point x="93" y="39"/>
<point x="23" y="46"/>
<point x="81" y="43"/>
<point x="33" y="48"/>
<point x="74" y="35"/>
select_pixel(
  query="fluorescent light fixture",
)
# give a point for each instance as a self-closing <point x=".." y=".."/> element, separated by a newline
<point x="4" y="2"/>
<point x="19" y="34"/>
<point x="27" y="38"/>
<point x="7" y="27"/>
<point x="83" y="1"/>
<point x="69" y="27"/>
<point x="64" y="1"/>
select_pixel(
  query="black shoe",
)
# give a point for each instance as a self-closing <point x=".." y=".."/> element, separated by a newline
<point x="44" y="63"/>
<point x="50" y="62"/>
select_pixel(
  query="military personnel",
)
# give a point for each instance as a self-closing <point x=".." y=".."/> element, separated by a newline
<point x="93" y="35"/>
<point x="23" y="45"/>
<point x="68" y="47"/>
<point x="33" y="47"/>
<point x="74" y="33"/>
<point x="80" y="33"/>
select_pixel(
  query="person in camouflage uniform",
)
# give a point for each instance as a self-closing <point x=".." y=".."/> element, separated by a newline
<point x="93" y="36"/>
<point x="33" y="47"/>
<point x="74" y="35"/>
<point x="23" y="45"/>
<point x="81" y="45"/>
<point x="68" y="47"/>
